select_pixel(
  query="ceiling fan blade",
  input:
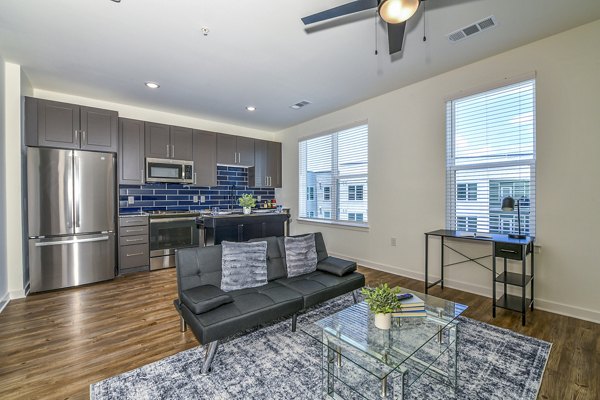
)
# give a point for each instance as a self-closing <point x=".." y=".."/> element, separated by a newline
<point x="344" y="9"/>
<point x="396" y="36"/>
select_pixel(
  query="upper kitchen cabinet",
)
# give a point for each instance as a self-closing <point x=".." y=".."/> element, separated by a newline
<point x="164" y="141"/>
<point x="205" y="158"/>
<point x="267" y="165"/>
<point x="235" y="150"/>
<point x="131" y="152"/>
<point x="69" y="126"/>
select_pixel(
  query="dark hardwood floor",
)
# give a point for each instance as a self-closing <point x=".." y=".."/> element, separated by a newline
<point x="54" y="345"/>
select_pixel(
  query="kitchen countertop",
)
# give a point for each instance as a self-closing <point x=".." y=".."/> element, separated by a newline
<point x="237" y="214"/>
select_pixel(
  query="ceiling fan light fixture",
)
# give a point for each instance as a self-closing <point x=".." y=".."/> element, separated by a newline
<point x="397" y="11"/>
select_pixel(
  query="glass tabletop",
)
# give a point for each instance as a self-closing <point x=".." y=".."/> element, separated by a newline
<point x="421" y="338"/>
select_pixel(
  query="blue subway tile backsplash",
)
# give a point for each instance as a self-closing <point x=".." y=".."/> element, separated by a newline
<point x="232" y="182"/>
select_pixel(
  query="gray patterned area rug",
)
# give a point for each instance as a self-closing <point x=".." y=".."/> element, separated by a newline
<point x="274" y="363"/>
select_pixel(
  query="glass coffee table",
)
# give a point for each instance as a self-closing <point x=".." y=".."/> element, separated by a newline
<point x="362" y="361"/>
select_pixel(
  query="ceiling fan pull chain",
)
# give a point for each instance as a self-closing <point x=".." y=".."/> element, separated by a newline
<point x="376" y="41"/>
<point x="424" y="22"/>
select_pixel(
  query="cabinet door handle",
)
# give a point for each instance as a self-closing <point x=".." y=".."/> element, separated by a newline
<point x="142" y="176"/>
<point x="194" y="178"/>
<point x="134" y="230"/>
<point x="168" y="156"/>
<point x="270" y="181"/>
<point x="76" y="132"/>
<point x="134" y="240"/>
<point x="134" y="254"/>
<point x="83" y="137"/>
<point x="508" y="251"/>
<point x="172" y="151"/>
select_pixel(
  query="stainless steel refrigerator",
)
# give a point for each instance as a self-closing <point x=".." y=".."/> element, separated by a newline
<point x="71" y="217"/>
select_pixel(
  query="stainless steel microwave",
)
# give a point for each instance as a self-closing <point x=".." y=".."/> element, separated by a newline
<point x="167" y="170"/>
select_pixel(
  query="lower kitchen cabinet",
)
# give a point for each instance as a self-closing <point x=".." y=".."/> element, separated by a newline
<point x="134" y="250"/>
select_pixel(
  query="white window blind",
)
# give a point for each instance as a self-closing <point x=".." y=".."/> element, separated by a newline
<point x="336" y="166"/>
<point x="491" y="155"/>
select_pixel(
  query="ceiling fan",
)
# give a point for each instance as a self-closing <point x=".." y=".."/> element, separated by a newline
<point x="394" y="12"/>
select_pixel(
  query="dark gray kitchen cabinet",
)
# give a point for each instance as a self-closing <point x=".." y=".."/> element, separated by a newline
<point x="205" y="158"/>
<point x="235" y="150"/>
<point x="157" y="140"/>
<point x="164" y="141"/>
<point x="99" y="130"/>
<point x="181" y="143"/>
<point x="267" y="165"/>
<point x="69" y="126"/>
<point x="131" y="152"/>
<point x="134" y="249"/>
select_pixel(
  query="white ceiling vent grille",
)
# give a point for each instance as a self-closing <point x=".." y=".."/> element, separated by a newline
<point x="470" y="30"/>
<point x="300" y="104"/>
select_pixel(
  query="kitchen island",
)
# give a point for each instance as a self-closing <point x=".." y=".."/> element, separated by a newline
<point x="238" y="227"/>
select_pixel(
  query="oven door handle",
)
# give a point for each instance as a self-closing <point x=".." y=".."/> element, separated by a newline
<point x="163" y="220"/>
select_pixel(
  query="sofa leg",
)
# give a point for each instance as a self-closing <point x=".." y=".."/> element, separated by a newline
<point x="294" y="319"/>
<point x="211" y="351"/>
<point x="182" y="324"/>
<point x="355" y="296"/>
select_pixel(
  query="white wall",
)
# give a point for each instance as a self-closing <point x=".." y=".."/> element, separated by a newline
<point x="146" y="114"/>
<point x="4" y="296"/>
<point x="407" y="171"/>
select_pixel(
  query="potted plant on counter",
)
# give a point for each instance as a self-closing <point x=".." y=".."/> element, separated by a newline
<point x="382" y="301"/>
<point x="247" y="202"/>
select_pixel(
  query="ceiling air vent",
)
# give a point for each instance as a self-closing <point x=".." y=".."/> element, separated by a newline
<point x="300" y="104"/>
<point x="470" y="30"/>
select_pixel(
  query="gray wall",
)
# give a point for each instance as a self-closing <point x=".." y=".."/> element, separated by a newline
<point x="3" y="267"/>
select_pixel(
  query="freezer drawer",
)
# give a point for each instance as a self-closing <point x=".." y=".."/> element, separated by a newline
<point x="71" y="260"/>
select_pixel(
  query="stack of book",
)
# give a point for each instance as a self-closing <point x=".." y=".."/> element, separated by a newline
<point x="411" y="307"/>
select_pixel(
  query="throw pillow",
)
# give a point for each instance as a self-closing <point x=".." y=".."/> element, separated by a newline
<point x="244" y="265"/>
<point x="300" y="255"/>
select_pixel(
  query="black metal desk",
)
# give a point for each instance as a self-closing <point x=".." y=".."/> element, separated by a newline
<point x="502" y="246"/>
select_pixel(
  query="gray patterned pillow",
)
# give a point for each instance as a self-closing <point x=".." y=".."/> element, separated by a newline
<point x="244" y="265"/>
<point x="300" y="255"/>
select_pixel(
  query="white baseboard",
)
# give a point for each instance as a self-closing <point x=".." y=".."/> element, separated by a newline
<point x="540" y="304"/>
<point x="17" y="294"/>
<point x="4" y="301"/>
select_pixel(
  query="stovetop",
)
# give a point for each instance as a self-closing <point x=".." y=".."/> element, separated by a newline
<point x="172" y="213"/>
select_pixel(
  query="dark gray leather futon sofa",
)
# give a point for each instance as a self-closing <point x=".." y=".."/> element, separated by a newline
<point x="214" y="315"/>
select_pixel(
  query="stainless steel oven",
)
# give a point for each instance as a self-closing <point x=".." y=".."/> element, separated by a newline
<point x="169" y="231"/>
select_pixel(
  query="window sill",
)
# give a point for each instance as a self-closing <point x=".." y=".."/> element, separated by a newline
<point x="335" y="224"/>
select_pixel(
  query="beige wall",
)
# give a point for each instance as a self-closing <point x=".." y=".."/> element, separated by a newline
<point x="4" y="296"/>
<point x="407" y="171"/>
<point x="146" y="114"/>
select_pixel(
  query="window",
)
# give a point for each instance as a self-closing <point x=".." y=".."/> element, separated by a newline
<point x="337" y="164"/>
<point x="355" y="217"/>
<point x="310" y="193"/>
<point x="491" y="155"/>
<point x="466" y="191"/>
<point x="355" y="192"/>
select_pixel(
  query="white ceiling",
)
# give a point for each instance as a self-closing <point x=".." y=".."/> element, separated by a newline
<point x="257" y="52"/>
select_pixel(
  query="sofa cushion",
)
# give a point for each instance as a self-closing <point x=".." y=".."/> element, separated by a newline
<point x="244" y="265"/>
<point x="320" y="245"/>
<point x="336" y="266"/>
<point x="251" y="307"/>
<point x="204" y="298"/>
<point x="275" y="260"/>
<point x="198" y="266"/>
<point x="300" y="255"/>
<point x="319" y="286"/>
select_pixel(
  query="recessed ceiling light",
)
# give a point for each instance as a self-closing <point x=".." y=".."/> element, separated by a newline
<point x="152" y="85"/>
<point x="250" y="108"/>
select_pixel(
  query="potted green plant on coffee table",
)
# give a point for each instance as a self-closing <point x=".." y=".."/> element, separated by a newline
<point x="382" y="301"/>
<point x="247" y="202"/>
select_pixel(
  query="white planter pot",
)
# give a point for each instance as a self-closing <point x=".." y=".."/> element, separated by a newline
<point x="383" y="321"/>
<point x="247" y="210"/>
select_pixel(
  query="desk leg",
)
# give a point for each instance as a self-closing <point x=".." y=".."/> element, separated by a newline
<point x="442" y="262"/>
<point x="532" y="273"/>
<point x="426" y="262"/>
<point x="493" y="280"/>
<point x="524" y="288"/>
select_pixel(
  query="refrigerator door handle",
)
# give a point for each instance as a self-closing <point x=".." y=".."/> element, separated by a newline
<point x="61" y="242"/>
<point x="77" y="195"/>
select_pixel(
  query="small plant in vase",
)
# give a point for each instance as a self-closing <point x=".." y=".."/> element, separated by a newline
<point x="247" y="202"/>
<point x="382" y="301"/>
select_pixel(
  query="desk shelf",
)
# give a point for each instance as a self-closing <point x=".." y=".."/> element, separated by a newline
<point x="514" y="303"/>
<point x="513" y="278"/>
